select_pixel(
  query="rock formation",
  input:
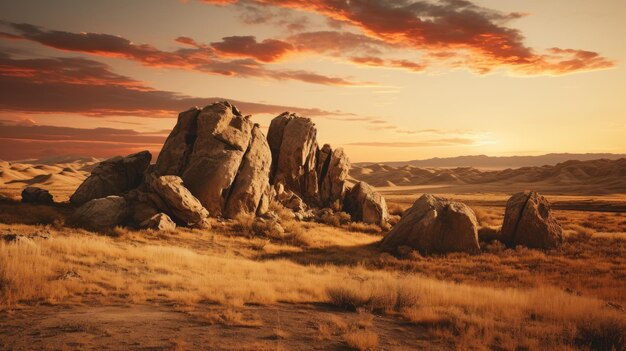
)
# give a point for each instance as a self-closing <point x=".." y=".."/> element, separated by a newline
<point x="102" y="213"/>
<point x="36" y="195"/>
<point x="333" y="170"/>
<point x="364" y="204"/>
<point x="221" y="156"/>
<point x="317" y="176"/>
<point x="435" y="225"/>
<point x="528" y="221"/>
<point x="114" y="176"/>
<point x="293" y="144"/>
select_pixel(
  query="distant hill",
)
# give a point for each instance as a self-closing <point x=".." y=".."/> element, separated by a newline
<point x="601" y="176"/>
<point x="498" y="162"/>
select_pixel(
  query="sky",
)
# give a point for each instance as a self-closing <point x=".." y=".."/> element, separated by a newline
<point x="385" y="80"/>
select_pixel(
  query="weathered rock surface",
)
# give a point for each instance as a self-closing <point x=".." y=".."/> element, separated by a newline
<point x="159" y="221"/>
<point x="435" y="225"/>
<point x="179" y="201"/>
<point x="112" y="177"/>
<point x="221" y="158"/>
<point x="102" y="213"/>
<point x="332" y="176"/>
<point x="293" y="144"/>
<point x="528" y="221"/>
<point x="252" y="180"/>
<point x="364" y="204"/>
<point x="35" y="195"/>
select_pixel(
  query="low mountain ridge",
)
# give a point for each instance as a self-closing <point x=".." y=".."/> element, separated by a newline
<point x="501" y="162"/>
<point x="602" y="176"/>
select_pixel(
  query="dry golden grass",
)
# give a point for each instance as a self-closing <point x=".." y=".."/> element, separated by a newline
<point x="501" y="299"/>
<point x="361" y="340"/>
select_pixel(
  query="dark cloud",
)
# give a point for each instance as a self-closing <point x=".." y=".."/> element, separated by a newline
<point x="83" y="86"/>
<point x="195" y="57"/>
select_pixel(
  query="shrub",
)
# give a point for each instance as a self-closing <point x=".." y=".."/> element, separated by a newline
<point x="361" y="340"/>
<point x="601" y="333"/>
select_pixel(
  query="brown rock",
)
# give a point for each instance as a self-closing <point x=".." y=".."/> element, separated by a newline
<point x="35" y="195"/>
<point x="252" y="180"/>
<point x="435" y="225"/>
<point x="364" y="204"/>
<point x="103" y="213"/>
<point x="293" y="143"/>
<point x="159" y="221"/>
<point x="333" y="174"/>
<point x="180" y="203"/>
<point x="114" y="176"/>
<point x="220" y="157"/>
<point x="528" y="221"/>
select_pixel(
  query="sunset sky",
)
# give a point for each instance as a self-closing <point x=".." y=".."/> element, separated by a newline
<point x="386" y="80"/>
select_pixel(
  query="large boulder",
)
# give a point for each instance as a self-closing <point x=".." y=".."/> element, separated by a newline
<point x="178" y="201"/>
<point x="435" y="225"/>
<point x="103" y="213"/>
<point x="293" y="144"/>
<point x="364" y="204"/>
<point x="333" y="168"/>
<point x="221" y="158"/>
<point x="114" y="176"/>
<point x="528" y="221"/>
<point x="35" y="195"/>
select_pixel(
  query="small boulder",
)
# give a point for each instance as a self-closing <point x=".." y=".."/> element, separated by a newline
<point x="114" y="176"/>
<point x="365" y="204"/>
<point x="103" y="213"/>
<point x="528" y="221"/>
<point x="435" y="225"/>
<point x="159" y="221"/>
<point x="34" y="195"/>
<point x="179" y="201"/>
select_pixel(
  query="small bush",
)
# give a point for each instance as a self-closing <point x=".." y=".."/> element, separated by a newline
<point x="580" y="234"/>
<point x="395" y="209"/>
<point x="601" y="333"/>
<point x="361" y="340"/>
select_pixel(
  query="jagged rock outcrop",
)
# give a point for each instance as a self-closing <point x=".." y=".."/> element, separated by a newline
<point x="35" y="195"/>
<point x="114" y="176"/>
<point x="222" y="158"/>
<point x="435" y="225"/>
<point x="364" y="204"/>
<point x="293" y="144"/>
<point x="528" y="221"/>
<point x="159" y="221"/>
<point x="178" y="201"/>
<point x="333" y="168"/>
<point x="318" y="176"/>
<point x="103" y="213"/>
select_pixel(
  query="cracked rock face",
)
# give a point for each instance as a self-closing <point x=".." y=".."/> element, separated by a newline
<point x="528" y="221"/>
<point x="293" y="142"/>
<point x="114" y="176"/>
<point x="365" y="204"/>
<point x="316" y="175"/>
<point x="435" y="225"/>
<point x="222" y="158"/>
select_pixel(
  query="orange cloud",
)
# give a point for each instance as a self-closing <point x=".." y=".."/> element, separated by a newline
<point x="201" y="58"/>
<point x="83" y="86"/>
<point x="452" y="26"/>
<point x="268" y="50"/>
